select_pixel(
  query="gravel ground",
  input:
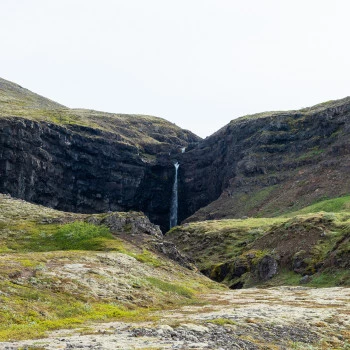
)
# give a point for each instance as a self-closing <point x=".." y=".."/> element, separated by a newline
<point x="275" y="318"/>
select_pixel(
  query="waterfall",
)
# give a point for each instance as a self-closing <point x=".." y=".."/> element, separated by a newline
<point x="174" y="199"/>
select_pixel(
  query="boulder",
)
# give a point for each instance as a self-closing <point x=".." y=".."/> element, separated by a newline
<point x="267" y="268"/>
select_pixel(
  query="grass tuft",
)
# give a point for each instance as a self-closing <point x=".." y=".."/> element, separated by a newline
<point x="81" y="235"/>
<point x="170" y="287"/>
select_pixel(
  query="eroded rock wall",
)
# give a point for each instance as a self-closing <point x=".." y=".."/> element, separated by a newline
<point x="267" y="164"/>
<point x="259" y="165"/>
<point x="82" y="169"/>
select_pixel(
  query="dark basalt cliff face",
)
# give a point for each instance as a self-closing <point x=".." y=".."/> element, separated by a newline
<point x="80" y="169"/>
<point x="267" y="164"/>
<point x="86" y="161"/>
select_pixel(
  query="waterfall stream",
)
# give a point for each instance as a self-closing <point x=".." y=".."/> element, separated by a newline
<point x="174" y="199"/>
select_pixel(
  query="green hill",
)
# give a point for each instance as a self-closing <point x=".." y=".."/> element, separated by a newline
<point x="307" y="247"/>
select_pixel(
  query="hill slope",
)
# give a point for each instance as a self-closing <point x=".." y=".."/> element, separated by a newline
<point x="14" y="99"/>
<point x="272" y="251"/>
<point x="86" y="161"/>
<point x="58" y="270"/>
<point x="268" y="164"/>
<point x="98" y="281"/>
<point x="136" y="130"/>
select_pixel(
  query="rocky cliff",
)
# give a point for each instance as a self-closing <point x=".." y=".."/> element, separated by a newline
<point x="268" y="164"/>
<point x="86" y="161"/>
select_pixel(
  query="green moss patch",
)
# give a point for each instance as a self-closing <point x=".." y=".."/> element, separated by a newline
<point x="171" y="288"/>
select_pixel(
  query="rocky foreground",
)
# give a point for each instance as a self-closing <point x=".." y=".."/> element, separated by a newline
<point x="276" y="318"/>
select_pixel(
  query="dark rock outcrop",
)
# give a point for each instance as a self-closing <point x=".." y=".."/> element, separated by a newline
<point x="299" y="263"/>
<point x="136" y="228"/>
<point x="269" y="163"/>
<point x="133" y="223"/>
<point x="84" y="160"/>
<point x="169" y="250"/>
<point x="81" y="169"/>
<point x="266" y="268"/>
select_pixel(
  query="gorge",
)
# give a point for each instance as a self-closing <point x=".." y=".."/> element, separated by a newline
<point x="87" y="161"/>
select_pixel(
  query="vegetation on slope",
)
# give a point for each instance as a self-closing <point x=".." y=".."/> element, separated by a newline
<point x="60" y="270"/>
<point x="132" y="129"/>
<point x="307" y="247"/>
<point x="304" y="111"/>
<point x="333" y="205"/>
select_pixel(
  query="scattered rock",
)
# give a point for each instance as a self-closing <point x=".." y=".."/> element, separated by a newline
<point x="169" y="250"/>
<point x="195" y="327"/>
<point x="305" y="279"/>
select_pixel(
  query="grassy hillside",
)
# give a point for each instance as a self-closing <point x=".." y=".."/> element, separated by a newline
<point x="136" y="130"/>
<point x="305" y="111"/>
<point x="60" y="270"/>
<point x="313" y="242"/>
<point x="333" y="205"/>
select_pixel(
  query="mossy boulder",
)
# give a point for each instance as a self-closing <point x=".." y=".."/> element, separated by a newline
<point x="298" y="262"/>
<point x="266" y="268"/>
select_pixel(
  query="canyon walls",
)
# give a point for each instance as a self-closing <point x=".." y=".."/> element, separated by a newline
<point x="88" y="161"/>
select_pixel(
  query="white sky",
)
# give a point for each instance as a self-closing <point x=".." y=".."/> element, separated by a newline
<point x="197" y="63"/>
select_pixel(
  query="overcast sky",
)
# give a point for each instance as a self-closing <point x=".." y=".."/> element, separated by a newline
<point x="197" y="63"/>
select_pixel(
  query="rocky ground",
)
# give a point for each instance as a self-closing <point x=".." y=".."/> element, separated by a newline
<point x="275" y="318"/>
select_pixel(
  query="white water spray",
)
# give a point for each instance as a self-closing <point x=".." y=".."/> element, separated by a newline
<point x="174" y="199"/>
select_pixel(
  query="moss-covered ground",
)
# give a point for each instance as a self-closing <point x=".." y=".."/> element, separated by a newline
<point x="57" y="270"/>
<point x="313" y="241"/>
